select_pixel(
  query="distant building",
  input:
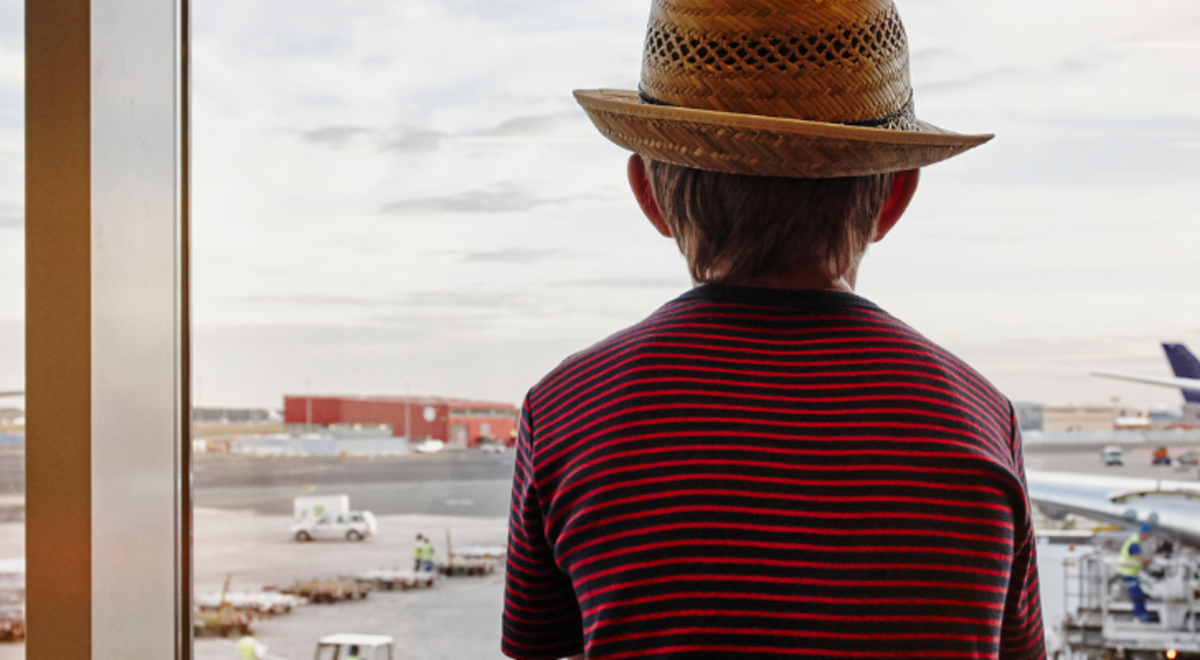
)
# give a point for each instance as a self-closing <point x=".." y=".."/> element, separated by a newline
<point x="1078" y="418"/>
<point x="458" y="422"/>
<point x="234" y="416"/>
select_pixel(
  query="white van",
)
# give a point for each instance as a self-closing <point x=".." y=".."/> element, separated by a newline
<point x="1112" y="455"/>
<point x="352" y="526"/>
<point x="364" y="647"/>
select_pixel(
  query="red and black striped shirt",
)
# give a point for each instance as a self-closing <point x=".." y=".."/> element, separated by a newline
<point x="764" y="472"/>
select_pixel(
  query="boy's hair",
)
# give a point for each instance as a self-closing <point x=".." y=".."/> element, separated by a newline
<point x="735" y="226"/>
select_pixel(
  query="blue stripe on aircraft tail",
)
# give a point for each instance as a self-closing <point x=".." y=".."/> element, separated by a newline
<point x="1185" y="365"/>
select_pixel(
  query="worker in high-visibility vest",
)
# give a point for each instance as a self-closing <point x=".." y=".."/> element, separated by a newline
<point x="418" y="552"/>
<point x="1129" y="564"/>
<point x="426" y="555"/>
<point x="248" y="648"/>
<point x="353" y="653"/>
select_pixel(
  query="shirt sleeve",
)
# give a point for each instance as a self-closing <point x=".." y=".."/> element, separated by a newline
<point x="1022" y="635"/>
<point x="541" y="614"/>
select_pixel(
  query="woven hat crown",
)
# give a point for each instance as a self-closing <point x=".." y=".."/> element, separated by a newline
<point x="833" y="61"/>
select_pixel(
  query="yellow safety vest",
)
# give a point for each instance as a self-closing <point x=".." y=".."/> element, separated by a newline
<point x="247" y="648"/>
<point x="1129" y="564"/>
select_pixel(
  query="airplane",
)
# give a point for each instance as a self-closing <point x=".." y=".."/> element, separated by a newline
<point x="1187" y="376"/>
<point x="1171" y="507"/>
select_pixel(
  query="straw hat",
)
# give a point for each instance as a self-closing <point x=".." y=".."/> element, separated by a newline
<point x="796" y="88"/>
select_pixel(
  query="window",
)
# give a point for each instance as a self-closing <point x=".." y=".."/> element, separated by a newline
<point x="363" y="222"/>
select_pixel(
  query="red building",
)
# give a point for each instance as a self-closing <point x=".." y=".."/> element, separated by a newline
<point x="458" y="422"/>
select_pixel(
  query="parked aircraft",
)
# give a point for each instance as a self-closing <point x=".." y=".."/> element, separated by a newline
<point x="1187" y="376"/>
<point x="1172" y="507"/>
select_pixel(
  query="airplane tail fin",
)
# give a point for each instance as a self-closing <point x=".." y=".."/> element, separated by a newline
<point x="1185" y="365"/>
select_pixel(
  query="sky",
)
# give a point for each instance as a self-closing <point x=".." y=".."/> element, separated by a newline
<point x="403" y="196"/>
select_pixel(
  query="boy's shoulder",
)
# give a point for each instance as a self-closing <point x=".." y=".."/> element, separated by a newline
<point x="770" y="324"/>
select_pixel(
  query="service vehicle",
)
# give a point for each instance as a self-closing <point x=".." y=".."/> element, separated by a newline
<point x="473" y="561"/>
<point x="1112" y="456"/>
<point x="1088" y="615"/>
<point x="315" y="506"/>
<point x="1188" y="459"/>
<point x="430" y="446"/>
<point x="491" y="446"/>
<point x="364" y="647"/>
<point x="388" y="579"/>
<point x="327" y="591"/>
<point x="352" y="526"/>
<point x="12" y="622"/>
<point x="1160" y="457"/>
<point x="221" y="620"/>
<point x="250" y="602"/>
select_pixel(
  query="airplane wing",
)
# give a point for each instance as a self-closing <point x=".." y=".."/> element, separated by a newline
<point x="1172" y="507"/>
<point x="1179" y="383"/>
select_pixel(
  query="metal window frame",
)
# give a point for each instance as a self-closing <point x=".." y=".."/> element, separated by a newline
<point x="108" y="448"/>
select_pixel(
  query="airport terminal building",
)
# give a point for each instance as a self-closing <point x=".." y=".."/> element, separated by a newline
<point x="459" y="422"/>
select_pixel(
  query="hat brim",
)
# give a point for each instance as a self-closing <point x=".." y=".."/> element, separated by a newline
<point x="767" y="146"/>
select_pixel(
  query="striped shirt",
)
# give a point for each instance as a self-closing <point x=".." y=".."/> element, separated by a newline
<point x="774" y="473"/>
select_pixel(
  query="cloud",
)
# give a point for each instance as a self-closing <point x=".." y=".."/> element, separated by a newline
<point x="317" y="299"/>
<point x="628" y="283"/>
<point x="976" y="80"/>
<point x="434" y="299"/>
<point x="409" y="139"/>
<point x="510" y="256"/>
<point x="334" y="136"/>
<point x="519" y="126"/>
<point x="501" y="198"/>
<point x="415" y="139"/>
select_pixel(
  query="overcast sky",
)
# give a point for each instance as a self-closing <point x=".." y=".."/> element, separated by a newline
<point x="393" y="194"/>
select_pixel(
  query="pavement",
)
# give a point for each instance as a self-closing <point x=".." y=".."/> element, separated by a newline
<point x="457" y="618"/>
<point x="1086" y="460"/>
<point x="243" y="509"/>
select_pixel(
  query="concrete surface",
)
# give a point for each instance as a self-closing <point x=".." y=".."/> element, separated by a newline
<point x="457" y="618"/>
<point x="243" y="511"/>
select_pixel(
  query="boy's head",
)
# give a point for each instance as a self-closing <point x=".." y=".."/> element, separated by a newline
<point x="775" y="132"/>
<point x="738" y="228"/>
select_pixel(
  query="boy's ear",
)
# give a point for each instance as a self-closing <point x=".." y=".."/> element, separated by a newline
<point x="640" y="184"/>
<point x="904" y="186"/>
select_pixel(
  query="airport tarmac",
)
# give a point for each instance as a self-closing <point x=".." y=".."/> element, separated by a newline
<point x="244" y="509"/>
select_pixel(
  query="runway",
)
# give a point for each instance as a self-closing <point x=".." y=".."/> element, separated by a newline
<point x="452" y="483"/>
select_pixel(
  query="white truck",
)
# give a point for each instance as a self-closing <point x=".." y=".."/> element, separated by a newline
<point x="315" y="506"/>
<point x="330" y="517"/>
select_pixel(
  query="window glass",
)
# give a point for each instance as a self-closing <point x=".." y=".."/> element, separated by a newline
<point x="12" y="331"/>
<point x="402" y="220"/>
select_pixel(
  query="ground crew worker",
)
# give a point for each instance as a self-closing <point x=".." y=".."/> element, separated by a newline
<point x="1129" y="563"/>
<point x="353" y="653"/>
<point x="418" y="552"/>
<point x="426" y="554"/>
<point x="248" y="648"/>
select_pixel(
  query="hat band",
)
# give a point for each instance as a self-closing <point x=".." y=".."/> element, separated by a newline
<point x="903" y="119"/>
